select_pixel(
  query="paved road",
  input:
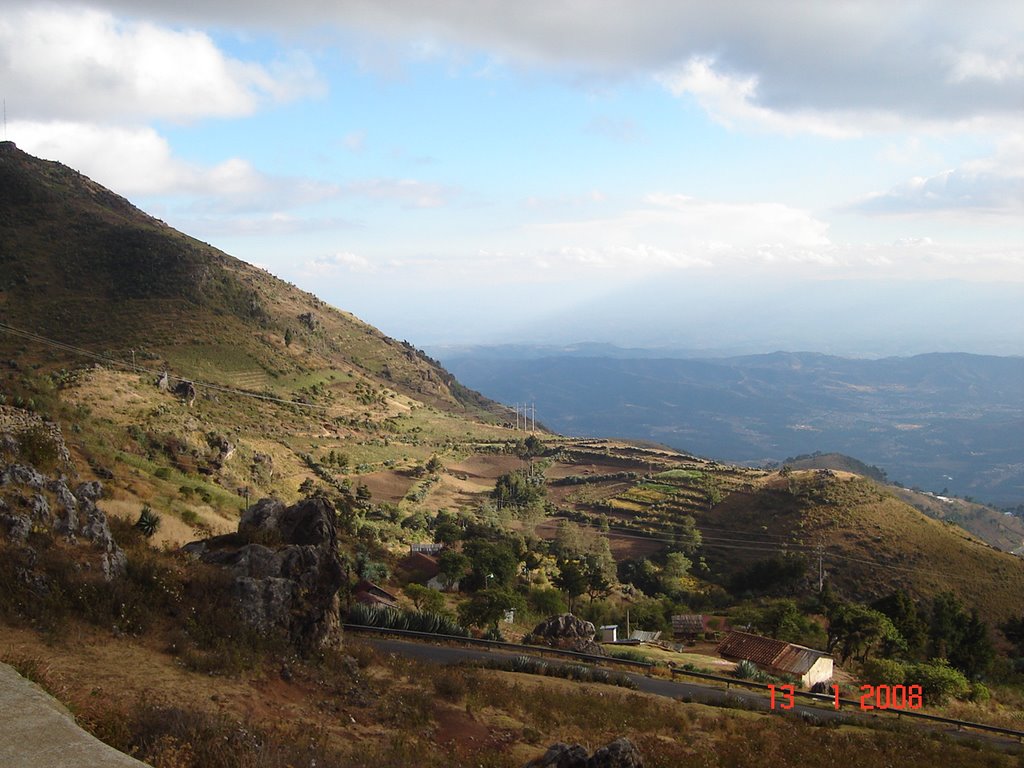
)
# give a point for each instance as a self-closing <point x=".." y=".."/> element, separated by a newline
<point x="699" y="692"/>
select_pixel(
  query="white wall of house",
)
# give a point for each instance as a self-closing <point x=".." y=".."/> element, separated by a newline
<point x="820" y="672"/>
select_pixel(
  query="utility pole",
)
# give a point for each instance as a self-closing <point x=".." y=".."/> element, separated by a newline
<point x="821" y="572"/>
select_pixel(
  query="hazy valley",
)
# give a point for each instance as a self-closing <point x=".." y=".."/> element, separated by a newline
<point x="941" y="422"/>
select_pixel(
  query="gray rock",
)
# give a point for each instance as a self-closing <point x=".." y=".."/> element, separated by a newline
<point x="19" y="473"/>
<point x="261" y="518"/>
<point x="567" y="632"/>
<point x="18" y="527"/>
<point x="621" y="753"/>
<point x="66" y="521"/>
<point x="561" y="756"/>
<point x="40" y="508"/>
<point x="289" y="579"/>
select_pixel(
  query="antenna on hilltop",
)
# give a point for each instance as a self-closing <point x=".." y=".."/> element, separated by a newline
<point x="5" y="119"/>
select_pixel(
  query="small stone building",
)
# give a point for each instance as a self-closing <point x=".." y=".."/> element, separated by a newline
<point x="778" y="658"/>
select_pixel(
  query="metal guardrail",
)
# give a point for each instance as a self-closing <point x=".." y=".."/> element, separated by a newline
<point x="540" y="649"/>
<point x="960" y="724"/>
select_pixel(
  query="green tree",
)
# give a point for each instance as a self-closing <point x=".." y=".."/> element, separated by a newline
<point x="903" y="613"/>
<point x="546" y="602"/>
<point x="600" y="575"/>
<point x="677" y="566"/>
<point x="571" y="579"/>
<point x="973" y="654"/>
<point x="858" y="631"/>
<point x="425" y="598"/>
<point x="454" y="566"/>
<point x="494" y="563"/>
<point x="686" y="537"/>
<point x="488" y="606"/>
<point x="518" y="489"/>
<point x="938" y="680"/>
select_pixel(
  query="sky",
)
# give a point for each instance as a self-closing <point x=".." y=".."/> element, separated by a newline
<point x="470" y="171"/>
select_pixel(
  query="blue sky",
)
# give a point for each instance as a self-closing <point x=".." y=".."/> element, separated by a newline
<point x="444" y="169"/>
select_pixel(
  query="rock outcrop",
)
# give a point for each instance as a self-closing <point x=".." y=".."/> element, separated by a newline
<point x="567" y="632"/>
<point x="31" y="501"/>
<point x="286" y="570"/>
<point x="621" y="753"/>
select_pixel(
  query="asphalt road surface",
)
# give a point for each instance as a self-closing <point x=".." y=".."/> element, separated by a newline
<point x="698" y="692"/>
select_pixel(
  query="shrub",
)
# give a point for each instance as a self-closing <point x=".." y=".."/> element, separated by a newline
<point x="745" y="670"/>
<point x="148" y="522"/>
<point x="980" y="693"/>
<point x="450" y="685"/>
<point x="938" y="681"/>
<point x="413" y="621"/>
<point x="884" y="672"/>
<point x="37" y="447"/>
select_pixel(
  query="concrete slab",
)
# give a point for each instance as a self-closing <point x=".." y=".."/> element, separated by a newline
<point x="36" y="730"/>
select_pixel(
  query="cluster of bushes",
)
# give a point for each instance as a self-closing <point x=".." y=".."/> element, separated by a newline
<point x="747" y="670"/>
<point x="584" y="479"/>
<point x="529" y="665"/>
<point x="938" y="680"/>
<point x="411" y="621"/>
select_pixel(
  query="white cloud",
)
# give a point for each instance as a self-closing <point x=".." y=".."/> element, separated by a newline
<point x="73" y="63"/>
<point x="979" y="65"/>
<point x="919" y="61"/>
<point x="138" y="161"/>
<point x="689" y="227"/>
<point x="410" y="193"/>
<point x="343" y="261"/>
<point x="732" y="102"/>
<point x="993" y="185"/>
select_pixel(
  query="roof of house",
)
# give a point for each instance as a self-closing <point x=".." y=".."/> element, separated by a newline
<point x="768" y="652"/>
<point x="423" y="566"/>
<point x="688" y="624"/>
<point x="644" y="637"/>
<point x="368" y="587"/>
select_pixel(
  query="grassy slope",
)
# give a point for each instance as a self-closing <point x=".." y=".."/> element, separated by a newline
<point x="873" y="542"/>
<point x="84" y="266"/>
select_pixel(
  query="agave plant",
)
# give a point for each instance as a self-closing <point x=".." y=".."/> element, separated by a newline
<point x="745" y="670"/>
<point x="148" y="522"/>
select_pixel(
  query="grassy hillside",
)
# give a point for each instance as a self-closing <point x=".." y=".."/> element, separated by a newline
<point x="82" y="265"/>
<point x="871" y="542"/>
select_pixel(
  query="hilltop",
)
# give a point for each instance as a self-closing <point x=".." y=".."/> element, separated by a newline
<point x="83" y="265"/>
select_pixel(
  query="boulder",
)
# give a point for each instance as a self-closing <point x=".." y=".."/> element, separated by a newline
<point x="286" y="570"/>
<point x="621" y="753"/>
<point x="566" y="632"/>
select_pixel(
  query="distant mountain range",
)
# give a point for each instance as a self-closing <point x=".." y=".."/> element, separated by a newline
<point x="946" y="421"/>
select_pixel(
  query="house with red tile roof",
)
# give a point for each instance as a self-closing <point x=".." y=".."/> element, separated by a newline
<point x="777" y="657"/>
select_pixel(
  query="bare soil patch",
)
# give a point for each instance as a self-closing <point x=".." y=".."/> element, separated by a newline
<point x="389" y="485"/>
<point x="486" y="467"/>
